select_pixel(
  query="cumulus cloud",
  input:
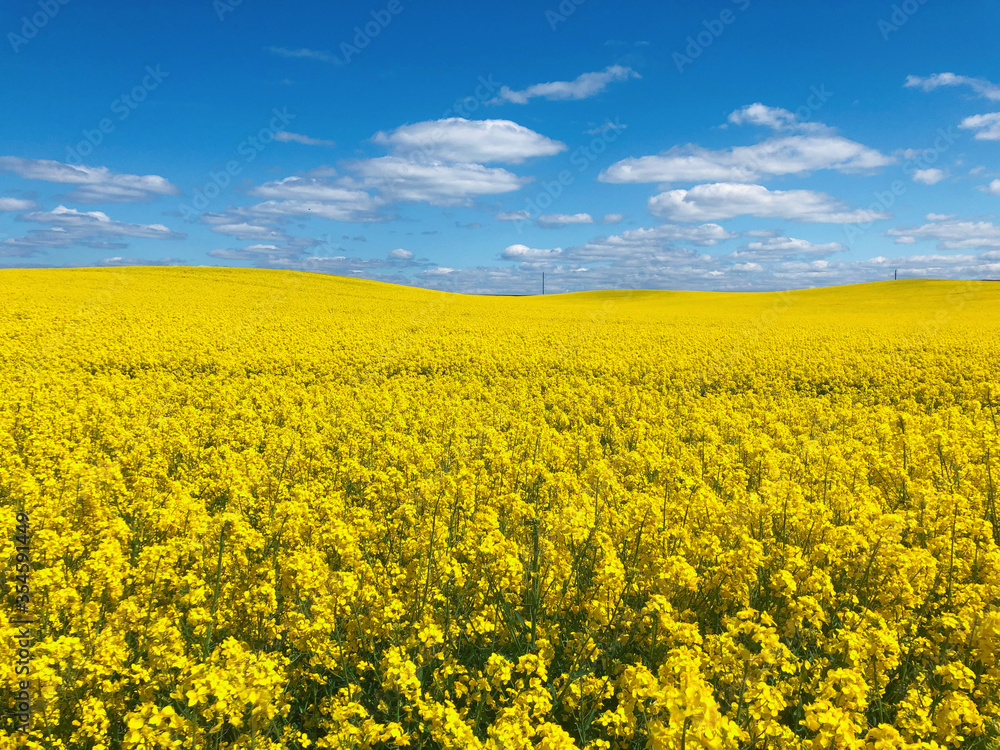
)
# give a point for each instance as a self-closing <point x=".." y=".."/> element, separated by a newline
<point x="118" y="260"/>
<point x="649" y="242"/>
<point x="67" y="227"/>
<point x="400" y="254"/>
<point x="238" y="224"/>
<point x="987" y="126"/>
<point x="554" y="221"/>
<point x="313" y="189"/>
<point x="685" y="269"/>
<point x="434" y="182"/>
<point x="727" y="200"/>
<point x="323" y="210"/>
<point x="981" y="86"/>
<point x="459" y="140"/>
<point x="775" y="118"/>
<point x="250" y="252"/>
<point x="330" y="261"/>
<point x="929" y="176"/>
<point x="316" y="196"/>
<point x="582" y="87"/>
<point x="440" y="162"/>
<point x="613" y="218"/>
<point x="303" y="53"/>
<point x="93" y="184"/>
<point x="525" y="253"/>
<point x="607" y="127"/>
<point x="993" y="188"/>
<point x="794" y="154"/>
<point x="285" y="137"/>
<point x="951" y="234"/>
<point x="521" y="215"/>
<point x="17" y="204"/>
<point x="783" y="248"/>
<point x="98" y="222"/>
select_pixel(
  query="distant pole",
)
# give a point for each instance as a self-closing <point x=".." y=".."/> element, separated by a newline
<point x="543" y="282"/>
<point x="895" y="275"/>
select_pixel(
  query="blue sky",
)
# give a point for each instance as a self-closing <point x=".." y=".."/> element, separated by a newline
<point x="736" y="144"/>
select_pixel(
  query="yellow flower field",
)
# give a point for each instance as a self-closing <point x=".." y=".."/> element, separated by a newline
<point x="280" y="510"/>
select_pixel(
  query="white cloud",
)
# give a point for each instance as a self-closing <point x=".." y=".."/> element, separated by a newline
<point x="613" y="218"/>
<point x="727" y="200"/>
<point x="251" y="252"/>
<point x="437" y="183"/>
<point x="649" y="242"/>
<point x="778" y="156"/>
<point x="70" y="218"/>
<point x="552" y="221"/>
<point x="689" y="270"/>
<point x="67" y="227"/>
<point x="993" y="188"/>
<point x="782" y="248"/>
<point x="939" y="217"/>
<point x="929" y="176"/>
<point x="94" y="184"/>
<point x="951" y="234"/>
<point x="525" y="253"/>
<point x="583" y="87"/>
<point x="400" y="254"/>
<point x="276" y="256"/>
<point x="120" y="261"/>
<point x="981" y="86"/>
<point x="775" y="118"/>
<point x="323" y="210"/>
<point x="313" y="189"/>
<point x="607" y="127"/>
<point x="235" y="223"/>
<point x="17" y="204"/>
<point x="987" y="126"/>
<point x="285" y="137"/>
<point x="303" y="53"/>
<point x="316" y="196"/>
<point x="521" y="215"/>
<point x="459" y="140"/>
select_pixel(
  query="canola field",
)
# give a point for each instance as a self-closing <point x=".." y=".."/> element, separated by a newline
<point x="281" y="510"/>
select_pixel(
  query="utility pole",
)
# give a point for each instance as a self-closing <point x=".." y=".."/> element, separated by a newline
<point x="895" y="275"/>
<point x="543" y="282"/>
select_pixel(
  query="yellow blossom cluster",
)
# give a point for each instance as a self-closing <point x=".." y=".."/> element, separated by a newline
<point x="272" y="510"/>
